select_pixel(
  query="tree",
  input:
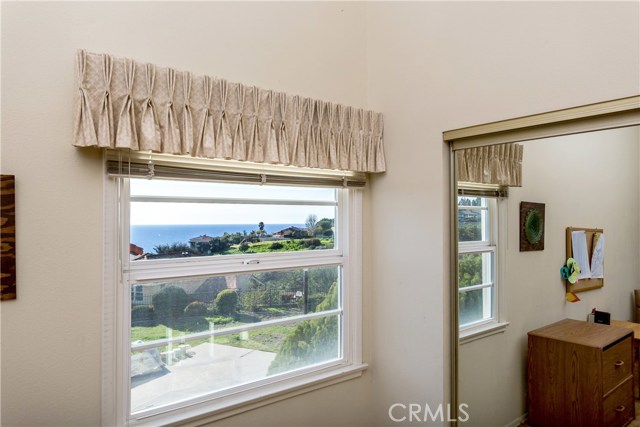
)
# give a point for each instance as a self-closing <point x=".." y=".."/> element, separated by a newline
<point x="311" y="222"/>
<point x="324" y="227"/>
<point x="469" y="232"/>
<point x="219" y="244"/>
<point x="325" y="224"/>
<point x="175" y="249"/>
<point x="216" y="245"/>
<point x="312" y="341"/>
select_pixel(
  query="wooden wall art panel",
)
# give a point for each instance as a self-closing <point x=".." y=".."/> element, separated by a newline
<point x="7" y="237"/>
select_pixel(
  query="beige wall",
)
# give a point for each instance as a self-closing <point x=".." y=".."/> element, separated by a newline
<point x="440" y="66"/>
<point x="429" y="67"/>
<point x="51" y="335"/>
<point x="587" y="180"/>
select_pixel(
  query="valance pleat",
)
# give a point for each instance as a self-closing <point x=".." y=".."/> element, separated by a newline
<point x="493" y="164"/>
<point x="125" y="104"/>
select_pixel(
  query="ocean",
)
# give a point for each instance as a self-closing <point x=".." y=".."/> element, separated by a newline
<point x="150" y="236"/>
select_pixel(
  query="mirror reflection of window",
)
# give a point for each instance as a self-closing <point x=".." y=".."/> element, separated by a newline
<point x="476" y="260"/>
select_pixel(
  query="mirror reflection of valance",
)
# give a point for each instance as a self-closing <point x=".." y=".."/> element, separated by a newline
<point x="493" y="164"/>
<point x="125" y="104"/>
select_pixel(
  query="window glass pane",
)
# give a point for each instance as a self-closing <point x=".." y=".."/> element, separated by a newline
<point x="173" y="229"/>
<point x="469" y="201"/>
<point x="475" y="269"/>
<point x="173" y="308"/>
<point x="175" y="373"/>
<point x="475" y="305"/>
<point x="177" y="188"/>
<point x="171" y="372"/>
<point x="473" y="224"/>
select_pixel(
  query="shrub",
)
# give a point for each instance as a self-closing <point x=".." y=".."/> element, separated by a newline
<point x="220" y="320"/>
<point x="169" y="303"/>
<point x="252" y="300"/>
<point x="243" y="247"/>
<point x="142" y="315"/>
<point x="226" y="302"/>
<point x="310" y="243"/>
<point x="276" y="245"/>
<point x="196" y="308"/>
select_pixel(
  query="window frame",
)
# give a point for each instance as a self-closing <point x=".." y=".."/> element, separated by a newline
<point x="117" y="308"/>
<point x="495" y="243"/>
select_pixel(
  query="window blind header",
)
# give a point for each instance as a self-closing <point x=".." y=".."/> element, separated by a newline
<point x="151" y="169"/>
<point x="500" y="192"/>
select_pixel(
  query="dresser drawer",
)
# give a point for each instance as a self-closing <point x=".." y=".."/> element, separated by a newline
<point x="617" y="364"/>
<point x="618" y="406"/>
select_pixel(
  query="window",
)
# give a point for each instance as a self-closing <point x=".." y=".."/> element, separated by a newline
<point x="478" y="261"/>
<point x="230" y="292"/>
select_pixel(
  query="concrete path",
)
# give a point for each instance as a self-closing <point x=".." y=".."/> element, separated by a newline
<point x="210" y="367"/>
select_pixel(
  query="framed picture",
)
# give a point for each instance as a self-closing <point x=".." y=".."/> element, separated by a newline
<point x="531" y="226"/>
<point x="7" y="237"/>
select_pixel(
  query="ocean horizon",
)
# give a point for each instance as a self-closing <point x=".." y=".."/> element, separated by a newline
<point x="149" y="236"/>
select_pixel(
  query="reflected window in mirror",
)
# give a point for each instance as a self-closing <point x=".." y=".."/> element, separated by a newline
<point x="478" y="265"/>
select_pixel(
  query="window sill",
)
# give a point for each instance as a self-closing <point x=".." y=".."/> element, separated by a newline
<point x="210" y="411"/>
<point x="482" y="331"/>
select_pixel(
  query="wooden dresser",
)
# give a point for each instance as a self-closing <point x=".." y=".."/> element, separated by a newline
<point x="580" y="374"/>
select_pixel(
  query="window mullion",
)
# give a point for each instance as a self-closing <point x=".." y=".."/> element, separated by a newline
<point x="475" y="287"/>
<point x="475" y="248"/>
<point x="150" y="272"/>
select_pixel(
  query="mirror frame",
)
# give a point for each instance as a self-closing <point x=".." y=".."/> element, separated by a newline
<point x="618" y="113"/>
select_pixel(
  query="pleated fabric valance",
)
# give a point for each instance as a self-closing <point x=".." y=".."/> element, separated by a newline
<point x="493" y="164"/>
<point x="126" y="104"/>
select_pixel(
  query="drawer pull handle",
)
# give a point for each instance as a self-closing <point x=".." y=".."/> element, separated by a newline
<point x="619" y="363"/>
<point x="620" y="408"/>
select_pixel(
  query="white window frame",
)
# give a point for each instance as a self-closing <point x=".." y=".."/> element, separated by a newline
<point x="494" y="243"/>
<point x="117" y="303"/>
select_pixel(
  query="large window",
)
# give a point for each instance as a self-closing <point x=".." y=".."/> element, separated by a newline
<point x="478" y="231"/>
<point x="229" y="289"/>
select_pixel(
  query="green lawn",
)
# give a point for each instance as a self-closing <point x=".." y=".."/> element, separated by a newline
<point x="287" y="246"/>
<point x="265" y="339"/>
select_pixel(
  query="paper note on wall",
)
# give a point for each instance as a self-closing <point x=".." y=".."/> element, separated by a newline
<point x="580" y="253"/>
<point x="597" y="256"/>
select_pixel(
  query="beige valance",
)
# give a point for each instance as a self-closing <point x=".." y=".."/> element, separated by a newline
<point x="126" y="104"/>
<point x="493" y="164"/>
